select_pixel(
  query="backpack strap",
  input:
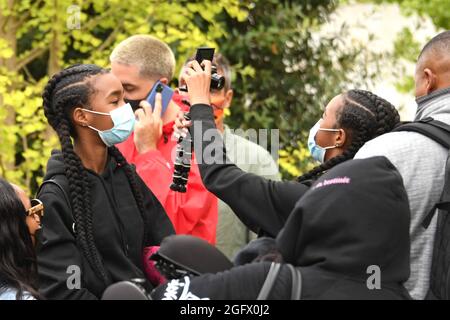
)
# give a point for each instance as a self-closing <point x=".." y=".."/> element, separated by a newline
<point x="269" y="282"/>
<point x="433" y="129"/>
<point x="296" y="292"/>
<point x="53" y="181"/>
<point x="444" y="203"/>
<point x="439" y="132"/>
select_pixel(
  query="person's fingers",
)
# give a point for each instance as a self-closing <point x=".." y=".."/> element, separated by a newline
<point x="178" y="123"/>
<point x="196" y="66"/>
<point x="190" y="64"/>
<point x="184" y="77"/>
<point x="188" y="72"/>
<point x="207" y="64"/>
<point x="140" y="114"/>
<point x="177" y="133"/>
<point x="158" y="105"/>
<point x="147" y="107"/>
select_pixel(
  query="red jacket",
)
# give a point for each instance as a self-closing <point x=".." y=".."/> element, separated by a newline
<point x="193" y="212"/>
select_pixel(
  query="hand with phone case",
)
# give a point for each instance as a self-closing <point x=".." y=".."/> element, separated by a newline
<point x="166" y="96"/>
<point x="148" y="127"/>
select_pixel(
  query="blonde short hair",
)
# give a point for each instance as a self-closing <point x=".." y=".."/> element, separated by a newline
<point x="154" y="58"/>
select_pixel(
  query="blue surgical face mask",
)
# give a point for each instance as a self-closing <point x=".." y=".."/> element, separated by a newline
<point x="318" y="152"/>
<point x="123" y="119"/>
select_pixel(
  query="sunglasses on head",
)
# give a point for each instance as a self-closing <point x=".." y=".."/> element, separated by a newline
<point x="37" y="208"/>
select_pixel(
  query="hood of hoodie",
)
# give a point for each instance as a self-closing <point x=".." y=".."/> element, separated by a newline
<point x="355" y="216"/>
<point x="55" y="165"/>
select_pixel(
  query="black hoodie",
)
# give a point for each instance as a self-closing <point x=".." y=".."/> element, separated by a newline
<point x="263" y="205"/>
<point x="118" y="232"/>
<point x="355" y="218"/>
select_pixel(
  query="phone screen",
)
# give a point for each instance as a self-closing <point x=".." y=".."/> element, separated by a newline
<point x="166" y="93"/>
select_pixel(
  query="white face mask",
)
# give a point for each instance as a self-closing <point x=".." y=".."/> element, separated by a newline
<point x="123" y="119"/>
<point x="318" y="152"/>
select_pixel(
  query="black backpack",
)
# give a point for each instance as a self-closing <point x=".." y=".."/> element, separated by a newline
<point x="440" y="265"/>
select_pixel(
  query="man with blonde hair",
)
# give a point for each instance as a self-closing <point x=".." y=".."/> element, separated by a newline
<point x="139" y="62"/>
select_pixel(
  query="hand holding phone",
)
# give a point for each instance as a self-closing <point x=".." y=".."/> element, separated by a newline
<point x="217" y="81"/>
<point x="166" y="95"/>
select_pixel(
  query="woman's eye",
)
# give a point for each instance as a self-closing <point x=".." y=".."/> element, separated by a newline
<point x="115" y="102"/>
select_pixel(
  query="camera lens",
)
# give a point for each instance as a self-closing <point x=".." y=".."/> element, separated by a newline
<point x="217" y="82"/>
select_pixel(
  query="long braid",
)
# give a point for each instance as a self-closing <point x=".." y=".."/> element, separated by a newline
<point x="81" y="200"/>
<point x="131" y="176"/>
<point x="365" y="116"/>
<point x="64" y="91"/>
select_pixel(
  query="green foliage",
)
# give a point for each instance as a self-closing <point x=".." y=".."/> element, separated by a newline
<point x="284" y="73"/>
<point x="437" y="10"/>
<point x="406" y="46"/>
<point x="38" y="38"/>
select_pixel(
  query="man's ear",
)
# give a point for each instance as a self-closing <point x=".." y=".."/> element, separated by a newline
<point x="164" y="81"/>
<point x="228" y="98"/>
<point x="341" y="138"/>
<point x="430" y="80"/>
<point x="79" y="117"/>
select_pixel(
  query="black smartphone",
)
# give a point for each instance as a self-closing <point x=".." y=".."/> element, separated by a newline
<point x="204" y="53"/>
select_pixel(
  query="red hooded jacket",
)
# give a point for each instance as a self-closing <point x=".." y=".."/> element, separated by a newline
<point x="193" y="212"/>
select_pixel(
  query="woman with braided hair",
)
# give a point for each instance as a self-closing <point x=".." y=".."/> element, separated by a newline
<point x="100" y="216"/>
<point x="349" y="120"/>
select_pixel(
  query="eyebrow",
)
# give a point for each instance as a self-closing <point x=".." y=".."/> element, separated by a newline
<point x="115" y="93"/>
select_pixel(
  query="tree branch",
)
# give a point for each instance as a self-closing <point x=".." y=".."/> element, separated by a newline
<point x="29" y="75"/>
<point x="5" y="23"/>
<point x="27" y="173"/>
<point x="93" y="22"/>
<point x="110" y="38"/>
<point x="33" y="54"/>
